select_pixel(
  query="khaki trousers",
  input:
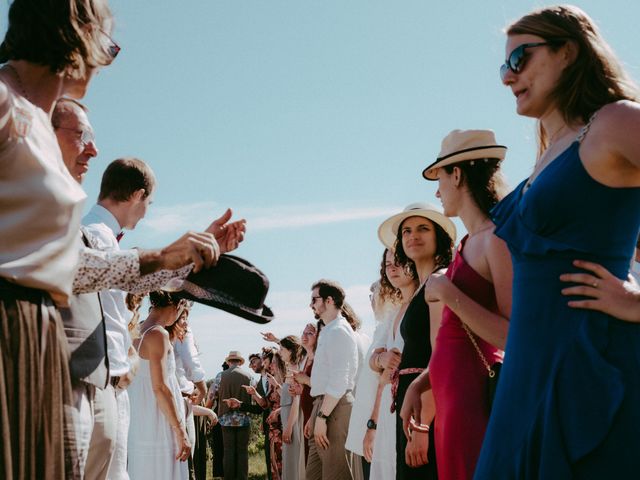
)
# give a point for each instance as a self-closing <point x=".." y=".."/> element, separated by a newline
<point x="335" y="462"/>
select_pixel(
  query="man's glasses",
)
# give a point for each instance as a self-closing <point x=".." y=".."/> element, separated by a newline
<point x="86" y="136"/>
<point x="313" y="299"/>
<point x="516" y="60"/>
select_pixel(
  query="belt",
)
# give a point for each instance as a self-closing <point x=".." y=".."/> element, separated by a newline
<point x="13" y="290"/>
<point x="114" y="381"/>
<point x="395" y="379"/>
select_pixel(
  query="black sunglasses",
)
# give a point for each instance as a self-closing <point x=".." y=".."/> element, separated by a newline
<point x="516" y="60"/>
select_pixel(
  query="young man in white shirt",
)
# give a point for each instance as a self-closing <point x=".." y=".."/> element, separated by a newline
<point x="332" y="381"/>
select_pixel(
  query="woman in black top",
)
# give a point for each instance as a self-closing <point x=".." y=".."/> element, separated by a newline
<point x="423" y="240"/>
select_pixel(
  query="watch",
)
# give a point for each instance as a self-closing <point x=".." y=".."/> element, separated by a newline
<point x="371" y="424"/>
<point x="322" y="415"/>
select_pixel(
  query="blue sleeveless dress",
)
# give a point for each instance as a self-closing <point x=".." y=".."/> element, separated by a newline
<point x="568" y="401"/>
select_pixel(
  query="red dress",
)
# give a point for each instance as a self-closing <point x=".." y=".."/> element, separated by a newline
<point x="459" y="379"/>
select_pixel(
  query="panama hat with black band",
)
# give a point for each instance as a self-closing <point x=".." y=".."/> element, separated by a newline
<point x="465" y="145"/>
<point x="388" y="230"/>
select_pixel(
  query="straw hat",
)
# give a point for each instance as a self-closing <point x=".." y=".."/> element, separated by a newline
<point x="463" y="145"/>
<point x="388" y="230"/>
<point x="235" y="355"/>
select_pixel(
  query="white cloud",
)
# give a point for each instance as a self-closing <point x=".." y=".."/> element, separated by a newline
<point x="179" y="218"/>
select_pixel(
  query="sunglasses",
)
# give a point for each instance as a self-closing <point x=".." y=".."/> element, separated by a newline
<point x="516" y="60"/>
<point x="113" y="48"/>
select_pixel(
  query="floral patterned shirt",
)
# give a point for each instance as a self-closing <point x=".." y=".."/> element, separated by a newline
<point x="101" y="270"/>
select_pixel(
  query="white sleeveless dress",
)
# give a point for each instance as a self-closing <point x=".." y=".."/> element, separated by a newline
<point x="383" y="463"/>
<point x="152" y="446"/>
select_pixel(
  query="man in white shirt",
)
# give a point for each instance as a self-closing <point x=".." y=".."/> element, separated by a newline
<point x="332" y="382"/>
<point x="140" y="271"/>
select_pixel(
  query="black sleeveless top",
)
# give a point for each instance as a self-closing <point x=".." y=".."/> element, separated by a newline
<point x="415" y="330"/>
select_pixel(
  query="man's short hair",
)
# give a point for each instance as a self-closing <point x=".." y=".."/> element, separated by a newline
<point x="329" y="288"/>
<point x="63" y="108"/>
<point x="123" y="177"/>
<point x="254" y="355"/>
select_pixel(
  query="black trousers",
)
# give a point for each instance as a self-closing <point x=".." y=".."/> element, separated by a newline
<point x="236" y="452"/>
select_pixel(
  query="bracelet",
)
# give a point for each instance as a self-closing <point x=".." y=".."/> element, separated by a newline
<point x="419" y="427"/>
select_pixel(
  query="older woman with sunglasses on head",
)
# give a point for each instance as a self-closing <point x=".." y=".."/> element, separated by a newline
<point x="51" y="49"/>
<point x="567" y="401"/>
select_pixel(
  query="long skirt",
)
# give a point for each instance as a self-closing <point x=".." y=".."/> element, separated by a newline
<point x="35" y="386"/>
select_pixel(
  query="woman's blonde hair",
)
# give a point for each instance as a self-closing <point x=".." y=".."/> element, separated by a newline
<point x="69" y="36"/>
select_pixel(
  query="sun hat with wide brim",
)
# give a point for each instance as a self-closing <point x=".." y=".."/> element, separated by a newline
<point x="388" y="230"/>
<point x="464" y="145"/>
<point x="235" y="355"/>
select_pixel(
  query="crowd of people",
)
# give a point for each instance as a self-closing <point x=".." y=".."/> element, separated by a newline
<point x="511" y="353"/>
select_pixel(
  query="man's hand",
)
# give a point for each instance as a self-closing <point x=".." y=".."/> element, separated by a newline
<point x="249" y="389"/>
<point x="232" y="403"/>
<point x="201" y="249"/>
<point x="320" y="433"/>
<point x="228" y="235"/>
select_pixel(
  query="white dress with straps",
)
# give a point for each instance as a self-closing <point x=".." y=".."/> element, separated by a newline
<point x="152" y="445"/>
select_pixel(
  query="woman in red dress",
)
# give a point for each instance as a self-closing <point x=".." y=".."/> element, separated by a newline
<point x="476" y="292"/>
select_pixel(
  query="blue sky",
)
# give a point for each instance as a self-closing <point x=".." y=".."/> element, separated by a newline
<point x="313" y="120"/>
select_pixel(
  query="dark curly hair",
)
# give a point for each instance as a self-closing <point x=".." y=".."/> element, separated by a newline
<point x="444" y="249"/>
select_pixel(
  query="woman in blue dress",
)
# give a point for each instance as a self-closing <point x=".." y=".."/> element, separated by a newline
<point x="568" y="402"/>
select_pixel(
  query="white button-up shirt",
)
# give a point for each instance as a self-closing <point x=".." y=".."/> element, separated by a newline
<point x="336" y="360"/>
<point x="104" y="227"/>
<point x="188" y="367"/>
